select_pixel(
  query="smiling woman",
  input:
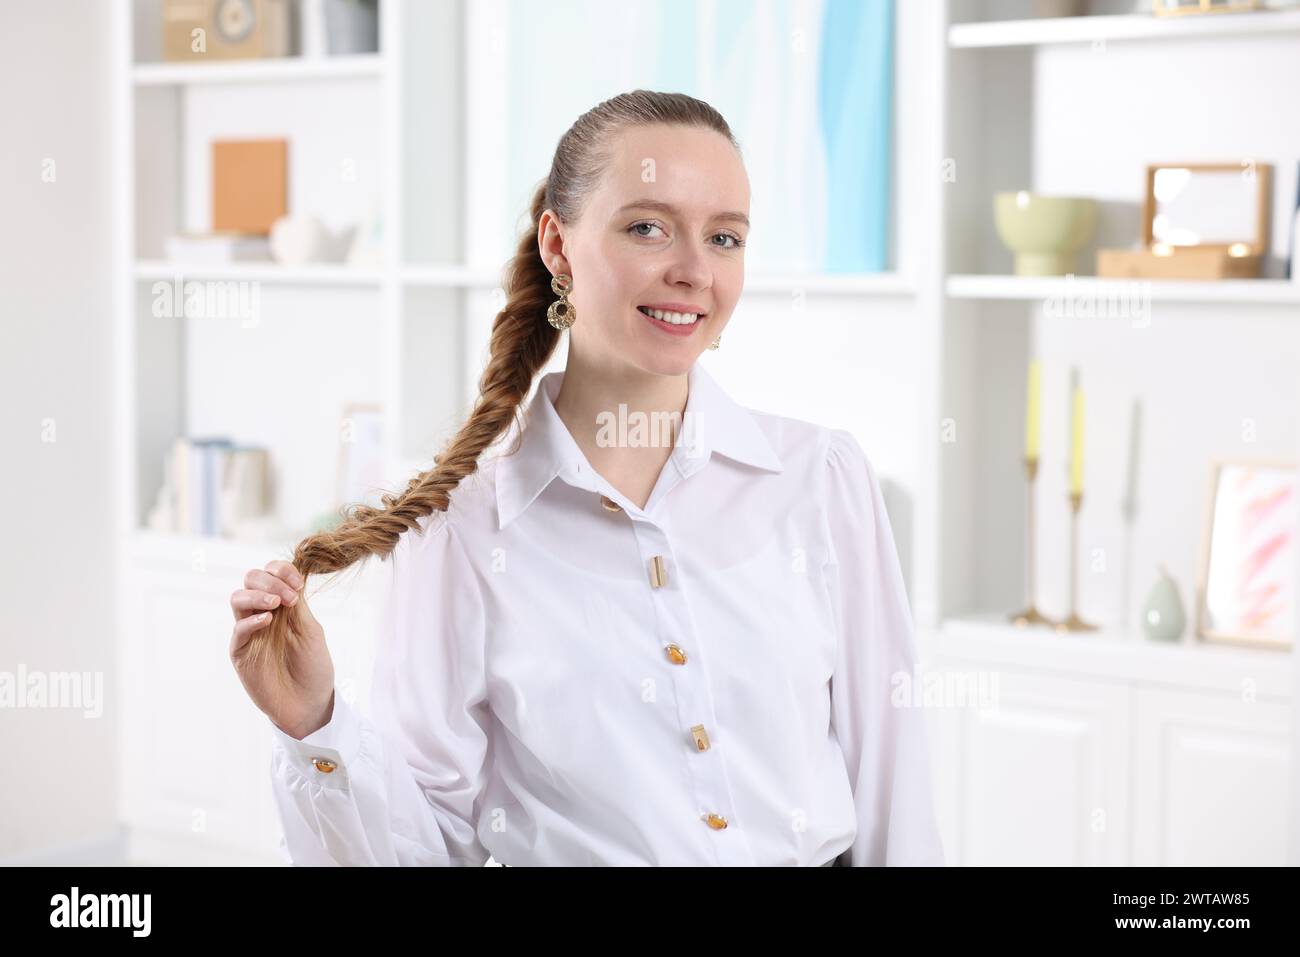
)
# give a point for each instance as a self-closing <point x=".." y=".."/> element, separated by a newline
<point x="600" y="650"/>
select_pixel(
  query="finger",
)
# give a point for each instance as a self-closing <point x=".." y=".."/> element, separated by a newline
<point x="308" y="618"/>
<point x="250" y="601"/>
<point x="259" y="580"/>
<point x="246" y="628"/>
<point x="286" y="572"/>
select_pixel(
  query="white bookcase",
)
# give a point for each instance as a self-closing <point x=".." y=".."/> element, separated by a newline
<point x="944" y="337"/>
<point x="1108" y="749"/>
<point x="364" y="131"/>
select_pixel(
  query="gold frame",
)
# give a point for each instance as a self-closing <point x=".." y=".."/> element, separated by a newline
<point x="1203" y="575"/>
<point x="1161" y="9"/>
<point x="1263" y="191"/>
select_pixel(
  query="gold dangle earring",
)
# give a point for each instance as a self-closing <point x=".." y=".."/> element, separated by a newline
<point x="716" y="342"/>
<point x="561" y="313"/>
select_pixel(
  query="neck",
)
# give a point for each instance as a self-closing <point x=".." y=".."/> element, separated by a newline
<point x="591" y="395"/>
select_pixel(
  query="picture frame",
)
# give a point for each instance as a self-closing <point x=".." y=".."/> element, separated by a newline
<point x="1246" y="589"/>
<point x="1258" y="179"/>
<point x="361" y="454"/>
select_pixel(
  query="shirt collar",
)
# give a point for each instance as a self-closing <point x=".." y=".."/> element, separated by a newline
<point x="712" y="422"/>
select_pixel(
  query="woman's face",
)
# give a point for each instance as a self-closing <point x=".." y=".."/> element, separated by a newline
<point x="664" y="230"/>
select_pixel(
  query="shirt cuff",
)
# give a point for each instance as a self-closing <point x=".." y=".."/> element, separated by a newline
<point x="324" y="756"/>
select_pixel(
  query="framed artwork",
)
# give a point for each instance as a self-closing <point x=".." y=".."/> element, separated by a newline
<point x="1247" y="588"/>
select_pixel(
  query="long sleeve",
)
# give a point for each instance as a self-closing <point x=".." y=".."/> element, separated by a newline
<point x="884" y="742"/>
<point x="406" y="783"/>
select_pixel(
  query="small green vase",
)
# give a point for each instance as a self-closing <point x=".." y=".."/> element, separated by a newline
<point x="1163" y="618"/>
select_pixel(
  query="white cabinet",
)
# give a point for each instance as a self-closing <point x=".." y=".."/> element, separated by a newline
<point x="1100" y="750"/>
<point x="1210" y="779"/>
<point x="1041" y="777"/>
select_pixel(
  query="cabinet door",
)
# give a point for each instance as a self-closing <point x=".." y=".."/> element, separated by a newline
<point x="1211" y="778"/>
<point x="1039" y="778"/>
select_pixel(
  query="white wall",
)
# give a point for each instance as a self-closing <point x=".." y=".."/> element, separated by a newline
<point x="56" y="580"/>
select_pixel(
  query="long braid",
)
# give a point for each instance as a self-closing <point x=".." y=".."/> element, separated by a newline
<point x="520" y="346"/>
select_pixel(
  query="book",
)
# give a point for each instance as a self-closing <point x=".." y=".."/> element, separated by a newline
<point x="209" y="248"/>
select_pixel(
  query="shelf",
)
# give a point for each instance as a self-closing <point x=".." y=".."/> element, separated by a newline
<point x="878" y="284"/>
<point x="991" y="640"/>
<point x="326" y="274"/>
<point x="1234" y="291"/>
<point x="1087" y="29"/>
<point x="451" y="277"/>
<point x="271" y="69"/>
<point x="883" y="284"/>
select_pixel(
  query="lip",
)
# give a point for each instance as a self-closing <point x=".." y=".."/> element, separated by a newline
<point x="667" y="327"/>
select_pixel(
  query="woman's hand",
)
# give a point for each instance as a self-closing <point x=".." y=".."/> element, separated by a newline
<point x="307" y="703"/>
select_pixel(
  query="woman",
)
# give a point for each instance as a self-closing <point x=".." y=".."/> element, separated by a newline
<point x="614" y="644"/>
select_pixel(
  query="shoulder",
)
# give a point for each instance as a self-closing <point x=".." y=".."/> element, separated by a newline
<point x="828" y="468"/>
<point x="472" y="509"/>
<point x="809" y="449"/>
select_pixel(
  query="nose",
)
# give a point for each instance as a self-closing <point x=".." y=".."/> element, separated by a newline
<point x="690" y="267"/>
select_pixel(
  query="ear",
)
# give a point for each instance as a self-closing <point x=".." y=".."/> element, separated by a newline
<point x="550" y="242"/>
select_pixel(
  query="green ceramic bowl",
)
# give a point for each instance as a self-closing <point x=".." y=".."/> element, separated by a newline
<point x="1044" y="232"/>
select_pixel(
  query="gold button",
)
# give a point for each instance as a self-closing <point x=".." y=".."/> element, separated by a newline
<point x="701" y="737"/>
<point x="676" y="654"/>
<point x="658" y="574"/>
<point x="324" y="765"/>
<point x="715" y="821"/>
<point x="610" y="504"/>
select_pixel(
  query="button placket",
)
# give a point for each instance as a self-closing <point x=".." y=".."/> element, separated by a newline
<point x="694" y="697"/>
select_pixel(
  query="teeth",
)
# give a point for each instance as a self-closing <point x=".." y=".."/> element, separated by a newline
<point x="676" y="318"/>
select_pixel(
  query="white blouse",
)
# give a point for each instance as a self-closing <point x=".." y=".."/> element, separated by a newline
<point x="564" y="678"/>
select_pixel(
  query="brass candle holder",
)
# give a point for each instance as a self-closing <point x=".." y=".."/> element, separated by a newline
<point x="1031" y="615"/>
<point x="1073" y="622"/>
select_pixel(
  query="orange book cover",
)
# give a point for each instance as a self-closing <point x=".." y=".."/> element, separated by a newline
<point x="249" y="184"/>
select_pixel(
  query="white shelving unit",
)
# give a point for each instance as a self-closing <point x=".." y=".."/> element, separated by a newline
<point x="1053" y="105"/>
<point x="1106" y="748"/>
<point x="275" y="382"/>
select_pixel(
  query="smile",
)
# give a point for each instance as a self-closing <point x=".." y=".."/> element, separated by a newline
<point x="671" y="318"/>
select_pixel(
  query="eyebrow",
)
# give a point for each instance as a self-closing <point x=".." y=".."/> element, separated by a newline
<point x="672" y="210"/>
